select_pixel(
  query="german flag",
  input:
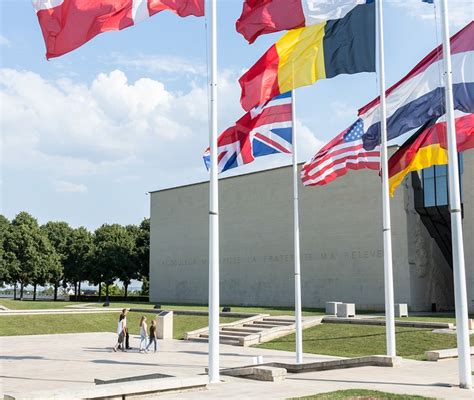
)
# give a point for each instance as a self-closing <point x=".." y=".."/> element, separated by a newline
<point x="428" y="147"/>
<point x="303" y="56"/>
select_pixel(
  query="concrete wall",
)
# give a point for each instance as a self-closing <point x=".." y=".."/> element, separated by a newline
<point x="468" y="223"/>
<point x="341" y="244"/>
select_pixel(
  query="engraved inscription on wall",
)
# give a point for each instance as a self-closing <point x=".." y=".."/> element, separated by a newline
<point x="279" y="258"/>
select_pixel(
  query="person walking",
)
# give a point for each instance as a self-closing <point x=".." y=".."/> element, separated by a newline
<point x="143" y="335"/>
<point x="153" y="338"/>
<point x="123" y="315"/>
<point x="121" y="335"/>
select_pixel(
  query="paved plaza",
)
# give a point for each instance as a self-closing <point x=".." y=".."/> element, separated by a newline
<point x="43" y="362"/>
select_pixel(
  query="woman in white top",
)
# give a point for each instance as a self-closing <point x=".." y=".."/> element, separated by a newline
<point x="143" y="335"/>
<point x="121" y="327"/>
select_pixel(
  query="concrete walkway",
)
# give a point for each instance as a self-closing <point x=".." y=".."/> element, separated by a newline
<point x="32" y="363"/>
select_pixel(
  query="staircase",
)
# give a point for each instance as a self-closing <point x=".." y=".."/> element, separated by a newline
<point x="259" y="328"/>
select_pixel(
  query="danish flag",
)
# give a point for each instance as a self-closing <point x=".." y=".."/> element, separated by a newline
<point x="68" y="24"/>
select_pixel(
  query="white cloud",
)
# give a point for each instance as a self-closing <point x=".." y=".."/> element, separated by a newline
<point x="343" y="110"/>
<point x="74" y="129"/>
<point x="4" y="41"/>
<point x="460" y="12"/>
<point x="69" y="131"/>
<point x="69" y="187"/>
<point x="161" y="64"/>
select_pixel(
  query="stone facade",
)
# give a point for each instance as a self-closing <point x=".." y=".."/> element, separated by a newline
<point x="341" y="243"/>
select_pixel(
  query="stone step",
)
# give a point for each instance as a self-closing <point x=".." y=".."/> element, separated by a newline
<point x="233" y="333"/>
<point x="221" y="337"/>
<point x="279" y="323"/>
<point x="288" y="321"/>
<point x="248" y="331"/>
<point x="260" y="325"/>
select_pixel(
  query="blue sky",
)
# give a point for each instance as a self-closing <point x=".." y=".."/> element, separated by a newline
<point x="87" y="135"/>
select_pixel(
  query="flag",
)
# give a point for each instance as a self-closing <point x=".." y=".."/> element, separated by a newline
<point x="233" y="149"/>
<point x="262" y="131"/>
<point x="68" y="24"/>
<point x="303" y="56"/>
<point x="266" y="16"/>
<point x="428" y="147"/>
<point x="337" y="157"/>
<point x="419" y="96"/>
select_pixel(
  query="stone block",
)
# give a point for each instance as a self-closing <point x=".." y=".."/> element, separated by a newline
<point x="331" y="307"/>
<point x="436" y="355"/>
<point x="164" y="325"/>
<point x="346" y="310"/>
<point x="271" y="374"/>
<point x="401" y="310"/>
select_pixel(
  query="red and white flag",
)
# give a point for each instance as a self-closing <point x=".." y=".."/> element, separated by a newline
<point x="266" y="16"/>
<point x="68" y="24"/>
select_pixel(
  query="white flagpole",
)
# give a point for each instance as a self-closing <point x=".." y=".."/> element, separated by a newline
<point x="213" y="208"/>
<point x="298" y="327"/>
<point x="462" y="329"/>
<point x="387" y="234"/>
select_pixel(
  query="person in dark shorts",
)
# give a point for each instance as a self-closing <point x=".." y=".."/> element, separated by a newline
<point x="153" y="338"/>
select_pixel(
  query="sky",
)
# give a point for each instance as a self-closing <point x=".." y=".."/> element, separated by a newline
<point x="86" y="136"/>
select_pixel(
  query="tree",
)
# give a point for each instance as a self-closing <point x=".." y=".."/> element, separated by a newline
<point x="111" y="254"/>
<point x="77" y="263"/>
<point x="59" y="235"/>
<point x="142" y="245"/>
<point x="30" y="252"/>
<point x="4" y="228"/>
<point x="129" y="268"/>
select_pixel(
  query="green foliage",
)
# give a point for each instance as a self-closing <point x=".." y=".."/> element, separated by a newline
<point x="77" y="264"/>
<point x="31" y="256"/>
<point x="4" y="265"/>
<point x="114" y="290"/>
<point x="142" y="244"/>
<point x="145" y="286"/>
<point x="59" y="235"/>
<point x="112" y="255"/>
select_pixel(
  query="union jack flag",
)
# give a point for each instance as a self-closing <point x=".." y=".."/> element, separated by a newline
<point x="264" y="130"/>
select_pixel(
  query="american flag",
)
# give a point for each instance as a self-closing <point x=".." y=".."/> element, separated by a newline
<point x="264" y="130"/>
<point x="344" y="152"/>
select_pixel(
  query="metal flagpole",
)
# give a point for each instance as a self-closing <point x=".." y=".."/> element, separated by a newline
<point x="298" y="327"/>
<point x="387" y="234"/>
<point x="462" y="329"/>
<point x="213" y="207"/>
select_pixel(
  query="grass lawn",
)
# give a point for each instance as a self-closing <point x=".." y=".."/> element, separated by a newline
<point x="42" y="304"/>
<point x="348" y="340"/>
<point x="362" y="394"/>
<point x="11" y="325"/>
<point x="34" y="305"/>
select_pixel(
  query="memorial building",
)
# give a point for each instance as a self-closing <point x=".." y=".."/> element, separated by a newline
<point x="340" y="235"/>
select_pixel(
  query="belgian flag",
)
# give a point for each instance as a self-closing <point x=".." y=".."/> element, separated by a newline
<point x="303" y="56"/>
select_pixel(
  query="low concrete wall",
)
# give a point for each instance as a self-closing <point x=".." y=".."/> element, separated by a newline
<point x="116" y="390"/>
